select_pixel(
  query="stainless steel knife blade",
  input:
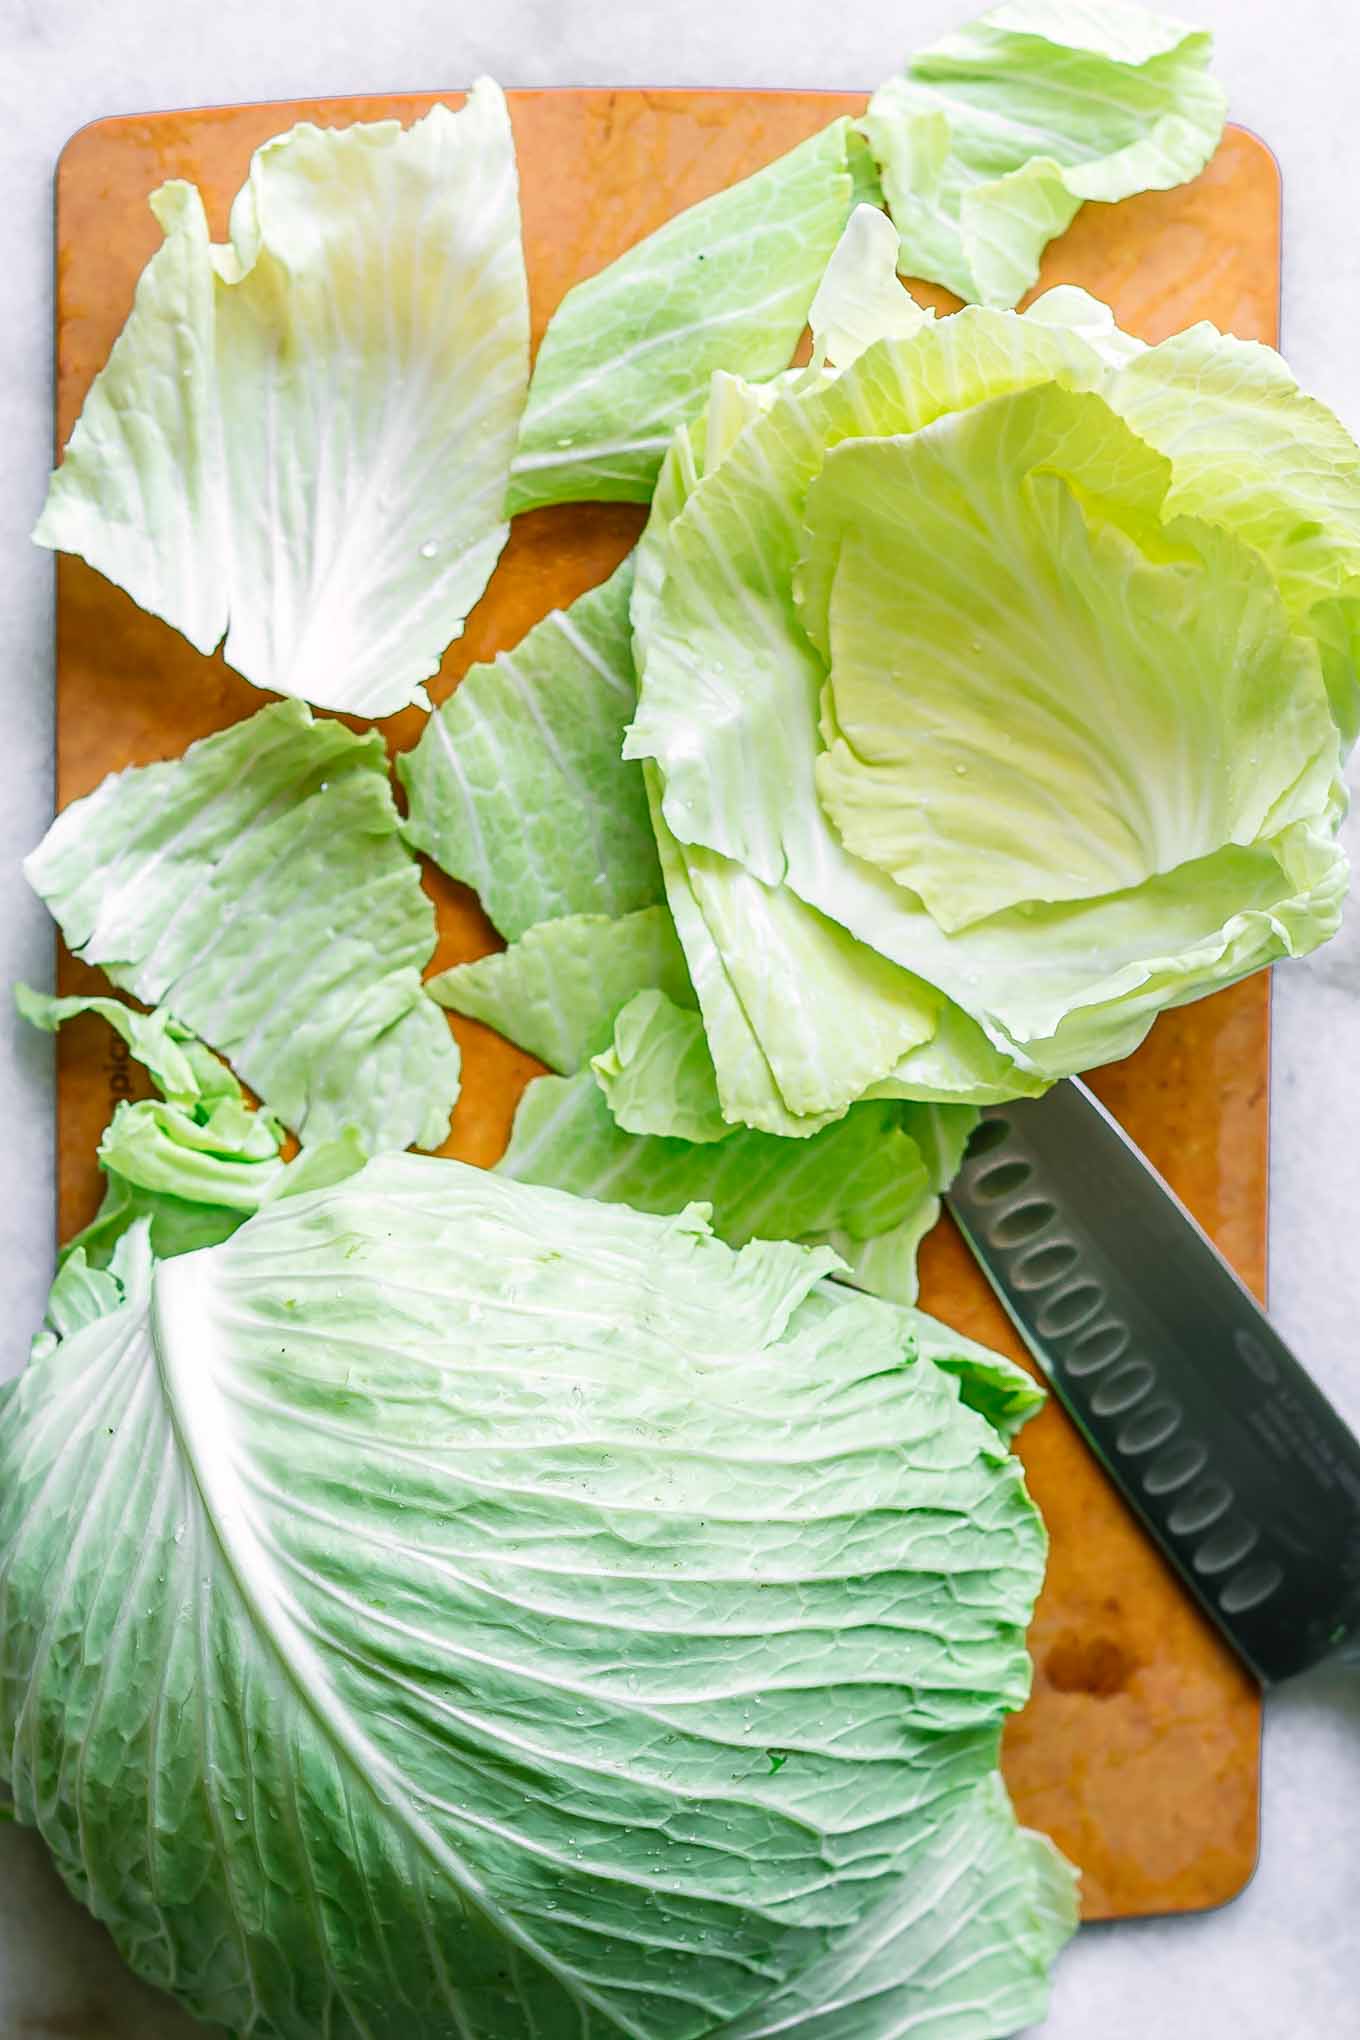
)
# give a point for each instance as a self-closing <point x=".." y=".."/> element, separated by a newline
<point x="1208" y="1425"/>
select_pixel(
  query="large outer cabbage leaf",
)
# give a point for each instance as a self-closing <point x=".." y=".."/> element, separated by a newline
<point x="985" y="1900"/>
<point x="749" y="628"/>
<point x="628" y="354"/>
<point x="302" y="438"/>
<point x="259" y="889"/>
<point x="516" y="785"/>
<point x="996" y="134"/>
<point x="445" y="1607"/>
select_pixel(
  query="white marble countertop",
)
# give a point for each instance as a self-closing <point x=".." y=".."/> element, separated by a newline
<point x="1279" y="1963"/>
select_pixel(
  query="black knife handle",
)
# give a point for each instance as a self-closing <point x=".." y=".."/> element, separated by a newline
<point x="1228" y="1451"/>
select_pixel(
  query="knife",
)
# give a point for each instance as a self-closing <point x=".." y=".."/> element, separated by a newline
<point x="1209" y="1427"/>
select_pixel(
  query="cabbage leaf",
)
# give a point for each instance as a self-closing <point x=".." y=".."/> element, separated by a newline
<point x="178" y="1064"/>
<point x="884" y="1263"/>
<point x="1039" y="899"/>
<point x="859" y="299"/>
<point x="996" y="1387"/>
<point x="860" y="1177"/>
<point x="302" y="438"/>
<point x="995" y="135"/>
<point x="191" y="1164"/>
<point x="628" y="354"/>
<point x="258" y="888"/>
<point x="517" y="786"/>
<point x="557" y="990"/>
<point x="1030" y="697"/>
<point x="518" y="1631"/>
<point x="611" y="1003"/>
<point x="1251" y="452"/>
<point x="657" y="1074"/>
<point x="194" y="1163"/>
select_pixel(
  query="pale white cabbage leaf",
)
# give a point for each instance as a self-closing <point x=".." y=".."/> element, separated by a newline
<point x="302" y="438"/>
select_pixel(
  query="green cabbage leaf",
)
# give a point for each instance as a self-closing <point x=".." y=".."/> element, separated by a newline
<point x="444" y="1605"/>
<point x="557" y="991"/>
<point x="628" y="354"/>
<point x="193" y="1163"/>
<point x="259" y="890"/>
<point x="984" y="709"/>
<point x="864" y="1185"/>
<point x="994" y="136"/>
<point x="516" y="786"/>
<point x="657" y="1074"/>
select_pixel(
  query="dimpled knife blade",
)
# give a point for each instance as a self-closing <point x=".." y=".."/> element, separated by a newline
<point x="1210" y="1428"/>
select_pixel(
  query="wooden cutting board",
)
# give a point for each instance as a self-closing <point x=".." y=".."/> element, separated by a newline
<point x="1139" y="1752"/>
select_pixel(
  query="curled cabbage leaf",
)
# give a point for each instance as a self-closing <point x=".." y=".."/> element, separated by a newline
<point x="991" y="698"/>
<point x="192" y="1164"/>
<point x="994" y="136"/>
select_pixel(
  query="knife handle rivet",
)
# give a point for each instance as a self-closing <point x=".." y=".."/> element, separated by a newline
<point x="1201" y="1507"/>
<point x="1248" y="1588"/>
<point x="1177" y="1466"/>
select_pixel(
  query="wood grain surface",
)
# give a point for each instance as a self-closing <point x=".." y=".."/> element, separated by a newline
<point x="1139" y="1751"/>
